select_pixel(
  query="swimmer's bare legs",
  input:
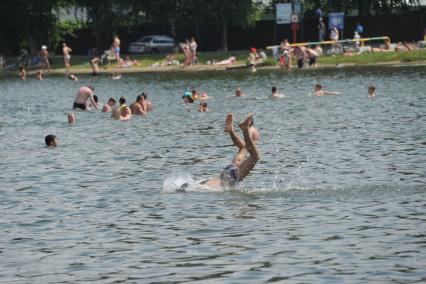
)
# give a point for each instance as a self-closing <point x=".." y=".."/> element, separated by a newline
<point x="230" y="129"/>
<point x="248" y="164"/>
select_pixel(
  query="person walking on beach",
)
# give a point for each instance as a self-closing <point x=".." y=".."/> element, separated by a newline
<point x="83" y="97"/>
<point x="66" y="50"/>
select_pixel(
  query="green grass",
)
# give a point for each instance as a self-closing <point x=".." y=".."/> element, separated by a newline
<point x="81" y="63"/>
<point x="375" y="58"/>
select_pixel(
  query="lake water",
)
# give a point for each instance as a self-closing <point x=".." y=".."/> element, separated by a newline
<point x="339" y="195"/>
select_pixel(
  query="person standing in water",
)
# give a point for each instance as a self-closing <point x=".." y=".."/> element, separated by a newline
<point x="83" y="96"/>
<point x="137" y="107"/>
<point x="241" y="165"/>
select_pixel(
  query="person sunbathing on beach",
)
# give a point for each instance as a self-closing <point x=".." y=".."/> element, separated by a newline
<point x="241" y="165"/>
<point x="127" y="62"/>
<point x="318" y="91"/>
<point x="108" y="106"/>
<point x="170" y="60"/>
<point x="230" y="60"/>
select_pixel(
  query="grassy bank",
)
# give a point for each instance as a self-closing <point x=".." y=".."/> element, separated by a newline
<point x="80" y="64"/>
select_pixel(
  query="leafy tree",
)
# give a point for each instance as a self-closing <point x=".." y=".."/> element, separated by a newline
<point x="242" y="13"/>
<point x="31" y="23"/>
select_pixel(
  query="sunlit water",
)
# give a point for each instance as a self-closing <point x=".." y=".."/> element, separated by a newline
<point x="339" y="195"/>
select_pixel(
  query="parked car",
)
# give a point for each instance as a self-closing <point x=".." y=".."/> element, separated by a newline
<point x="153" y="44"/>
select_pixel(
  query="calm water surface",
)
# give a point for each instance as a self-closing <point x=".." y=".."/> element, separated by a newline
<point x="339" y="195"/>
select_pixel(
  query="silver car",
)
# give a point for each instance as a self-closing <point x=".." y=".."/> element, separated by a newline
<point x="153" y="44"/>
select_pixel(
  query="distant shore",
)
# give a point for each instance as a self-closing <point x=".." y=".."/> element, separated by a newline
<point x="81" y="66"/>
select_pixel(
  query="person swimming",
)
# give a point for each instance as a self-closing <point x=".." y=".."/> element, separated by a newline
<point x="318" y="91"/>
<point x="241" y="165"/>
<point x="51" y="141"/>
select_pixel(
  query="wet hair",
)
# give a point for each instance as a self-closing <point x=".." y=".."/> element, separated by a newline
<point x="112" y="100"/>
<point x="139" y="97"/>
<point x="122" y="100"/>
<point x="204" y="104"/>
<point x="372" y="87"/>
<point x="144" y="96"/>
<point x="91" y="87"/>
<point x="49" y="139"/>
<point x="274" y="89"/>
<point x="95" y="98"/>
<point x="21" y="67"/>
<point x="318" y="86"/>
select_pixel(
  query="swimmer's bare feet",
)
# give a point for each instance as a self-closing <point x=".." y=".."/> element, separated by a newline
<point x="228" y="123"/>
<point x="246" y="123"/>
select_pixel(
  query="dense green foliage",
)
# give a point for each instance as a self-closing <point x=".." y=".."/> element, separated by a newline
<point x="30" y="23"/>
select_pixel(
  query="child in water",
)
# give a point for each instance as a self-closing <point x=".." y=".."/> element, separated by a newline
<point x="372" y="91"/>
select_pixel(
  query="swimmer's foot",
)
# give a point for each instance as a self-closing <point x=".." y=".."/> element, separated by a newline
<point x="228" y="123"/>
<point x="246" y="123"/>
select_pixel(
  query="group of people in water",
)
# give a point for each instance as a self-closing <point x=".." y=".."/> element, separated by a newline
<point x="247" y="154"/>
<point x="86" y="100"/>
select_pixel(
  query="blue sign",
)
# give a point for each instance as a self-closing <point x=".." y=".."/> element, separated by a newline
<point x="336" y="20"/>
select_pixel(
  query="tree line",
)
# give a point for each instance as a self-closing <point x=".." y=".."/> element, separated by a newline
<point x="30" y="23"/>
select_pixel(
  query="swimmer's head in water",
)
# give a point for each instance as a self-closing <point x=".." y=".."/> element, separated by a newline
<point x="112" y="101"/>
<point x="139" y="98"/>
<point x="51" y="140"/>
<point x="187" y="96"/>
<point x="230" y="175"/>
<point x="144" y="95"/>
<point x="125" y="110"/>
<point x="122" y="100"/>
<point x="71" y="118"/>
<point x="274" y="89"/>
<point x="318" y="87"/>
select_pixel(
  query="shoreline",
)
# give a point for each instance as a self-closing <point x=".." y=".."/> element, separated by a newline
<point x="208" y="68"/>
